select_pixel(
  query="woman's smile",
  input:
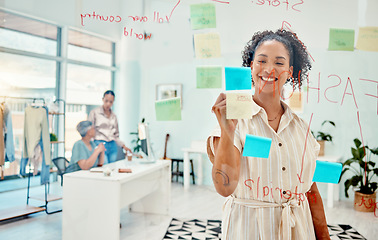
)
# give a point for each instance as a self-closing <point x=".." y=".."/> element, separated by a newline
<point x="268" y="80"/>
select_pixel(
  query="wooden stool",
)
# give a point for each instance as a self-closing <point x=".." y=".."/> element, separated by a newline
<point x="179" y="173"/>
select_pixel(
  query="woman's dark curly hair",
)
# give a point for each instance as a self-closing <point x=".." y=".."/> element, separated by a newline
<point x="299" y="58"/>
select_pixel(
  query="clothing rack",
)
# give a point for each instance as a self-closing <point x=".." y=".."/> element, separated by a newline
<point x="23" y="98"/>
<point x="26" y="210"/>
<point x="20" y="98"/>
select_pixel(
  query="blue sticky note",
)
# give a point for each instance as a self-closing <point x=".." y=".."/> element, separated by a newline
<point x="238" y="78"/>
<point x="327" y="172"/>
<point x="256" y="146"/>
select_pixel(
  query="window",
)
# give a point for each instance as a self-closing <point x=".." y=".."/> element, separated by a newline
<point x="27" y="76"/>
<point x="85" y="85"/>
<point x="27" y="35"/>
<point x="29" y="63"/>
<point x="87" y="48"/>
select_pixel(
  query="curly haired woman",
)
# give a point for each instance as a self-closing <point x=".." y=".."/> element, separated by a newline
<point x="267" y="198"/>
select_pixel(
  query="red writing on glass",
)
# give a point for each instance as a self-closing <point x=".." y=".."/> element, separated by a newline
<point x="369" y="204"/>
<point x="370" y="95"/>
<point x="330" y="90"/>
<point x="99" y="17"/>
<point x="266" y="191"/>
<point x="139" y="19"/>
<point x="159" y="19"/>
<point x="220" y="1"/>
<point x="130" y="33"/>
<point x="276" y="3"/>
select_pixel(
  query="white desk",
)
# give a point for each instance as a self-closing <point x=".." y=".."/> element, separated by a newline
<point x="197" y="147"/>
<point x="92" y="201"/>
<point x="331" y="187"/>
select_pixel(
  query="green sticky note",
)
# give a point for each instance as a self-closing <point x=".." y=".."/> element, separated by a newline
<point x="209" y="77"/>
<point x="202" y="16"/>
<point x="168" y="109"/>
<point x="341" y="39"/>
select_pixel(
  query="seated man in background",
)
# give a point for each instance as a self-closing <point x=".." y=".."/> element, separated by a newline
<point x="85" y="153"/>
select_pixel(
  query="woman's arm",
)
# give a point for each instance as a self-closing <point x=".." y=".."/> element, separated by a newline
<point x="101" y="159"/>
<point x="317" y="213"/>
<point x="86" y="164"/>
<point x="226" y="165"/>
<point x="226" y="159"/>
<point x="116" y="135"/>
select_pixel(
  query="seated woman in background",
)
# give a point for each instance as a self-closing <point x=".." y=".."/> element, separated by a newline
<point x="85" y="154"/>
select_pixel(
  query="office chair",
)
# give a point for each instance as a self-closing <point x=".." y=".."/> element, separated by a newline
<point x="61" y="165"/>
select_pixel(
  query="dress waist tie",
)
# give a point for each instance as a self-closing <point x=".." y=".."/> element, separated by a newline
<point x="288" y="218"/>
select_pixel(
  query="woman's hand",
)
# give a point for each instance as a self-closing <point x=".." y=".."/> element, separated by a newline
<point x="126" y="149"/>
<point x="100" y="148"/>
<point x="227" y="126"/>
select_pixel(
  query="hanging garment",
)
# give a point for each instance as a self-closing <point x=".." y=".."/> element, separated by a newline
<point x="37" y="142"/>
<point x="39" y="157"/>
<point x="45" y="169"/>
<point x="9" y="142"/>
<point x="2" y="147"/>
<point x="36" y="129"/>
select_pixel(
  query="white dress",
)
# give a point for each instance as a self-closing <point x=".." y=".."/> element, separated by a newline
<point x="269" y="201"/>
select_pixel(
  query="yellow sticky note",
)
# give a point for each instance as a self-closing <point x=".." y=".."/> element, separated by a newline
<point x="207" y="45"/>
<point x="238" y="105"/>
<point x="368" y="39"/>
<point x="295" y="102"/>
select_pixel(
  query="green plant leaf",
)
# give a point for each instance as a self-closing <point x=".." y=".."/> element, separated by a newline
<point x="362" y="152"/>
<point x="371" y="163"/>
<point x="347" y="185"/>
<point x="355" y="153"/>
<point x="349" y="161"/>
<point x="330" y="122"/>
<point x="374" y="150"/>
<point x="342" y="172"/>
<point x="373" y="186"/>
<point x="365" y="189"/>
<point x="357" y="142"/>
<point x="363" y="165"/>
<point x="355" y="180"/>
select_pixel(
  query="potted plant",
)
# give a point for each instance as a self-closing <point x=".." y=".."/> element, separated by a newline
<point x="362" y="179"/>
<point x="323" y="137"/>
